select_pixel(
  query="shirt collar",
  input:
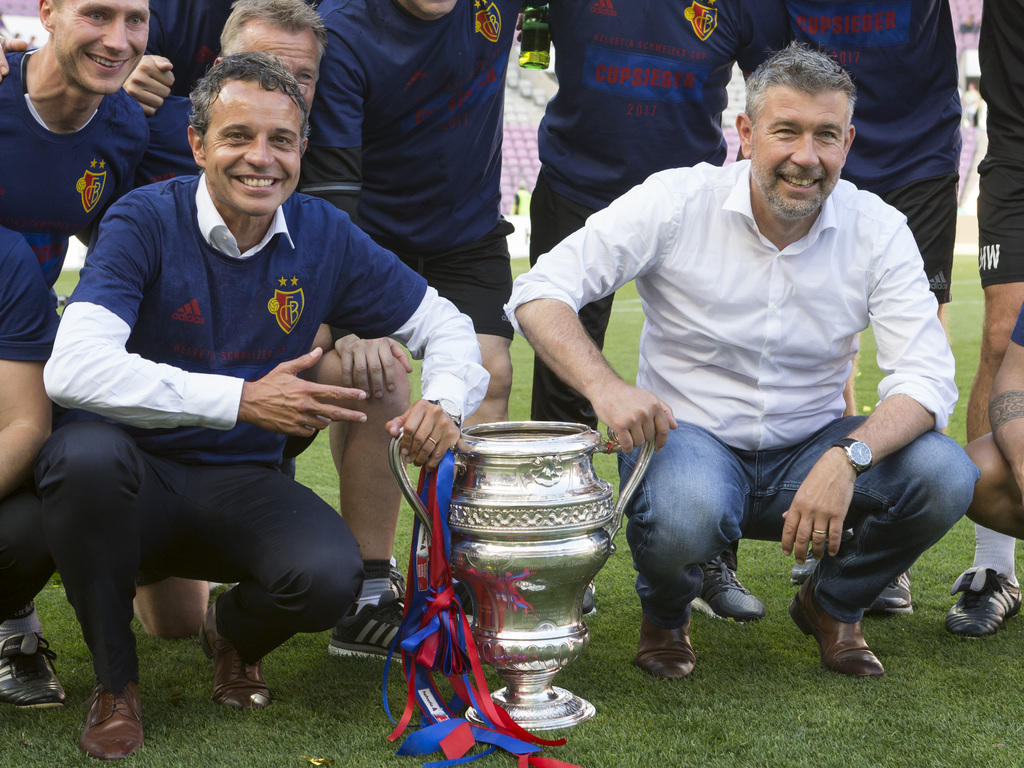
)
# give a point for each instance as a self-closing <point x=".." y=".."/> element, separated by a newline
<point x="217" y="234"/>
<point x="739" y="202"/>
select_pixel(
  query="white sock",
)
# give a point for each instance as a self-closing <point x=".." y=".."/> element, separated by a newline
<point x="24" y="621"/>
<point x="376" y="583"/>
<point x="996" y="551"/>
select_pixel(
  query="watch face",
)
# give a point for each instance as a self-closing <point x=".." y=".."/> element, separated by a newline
<point x="860" y="454"/>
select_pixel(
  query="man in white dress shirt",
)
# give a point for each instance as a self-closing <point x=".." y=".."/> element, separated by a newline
<point x="755" y="280"/>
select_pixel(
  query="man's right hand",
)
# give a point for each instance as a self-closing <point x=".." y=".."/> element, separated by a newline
<point x="372" y="365"/>
<point x="634" y="415"/>
<point x="150" y="83"/>
<point x="282" y="402"/>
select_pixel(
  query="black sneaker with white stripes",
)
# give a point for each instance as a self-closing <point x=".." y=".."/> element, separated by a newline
<point x="988" y="600"/>
<point x="27" y="678"/>
<point x="371" y="630"/>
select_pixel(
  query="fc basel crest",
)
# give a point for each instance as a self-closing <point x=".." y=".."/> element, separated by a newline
<point x="703" y="19"/>
<point x="287" y="306"/>
<point x="90" y="186"/>
<point x="488" y="20"/>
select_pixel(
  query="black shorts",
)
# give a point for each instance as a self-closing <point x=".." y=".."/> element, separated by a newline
<point x="475" y="277"/>
<point x="930" y="208"/>
<point x="1001" y="221"/>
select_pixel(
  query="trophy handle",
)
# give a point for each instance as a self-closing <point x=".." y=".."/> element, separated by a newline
<point x="626" y="493"/>
<point x="398" y="470"/>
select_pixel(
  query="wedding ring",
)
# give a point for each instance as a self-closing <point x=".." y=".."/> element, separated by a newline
<point x="433" y="441"/>
<point x="823" y="533"/>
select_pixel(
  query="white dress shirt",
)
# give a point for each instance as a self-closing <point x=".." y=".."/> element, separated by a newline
<point x="750" y="342"/>
<point x="91" y="369"/>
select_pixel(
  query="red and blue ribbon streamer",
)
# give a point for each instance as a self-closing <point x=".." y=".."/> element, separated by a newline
<point x="434" y="638"/>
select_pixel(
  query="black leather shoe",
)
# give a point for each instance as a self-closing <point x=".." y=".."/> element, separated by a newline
<point x="235" y="683"/>
<point x="665" y="653"/>
<point x="842" y="645"/>
<point x="27" y="678"/>
<point x="112" y="728"/>
<point x="988" y="600"/>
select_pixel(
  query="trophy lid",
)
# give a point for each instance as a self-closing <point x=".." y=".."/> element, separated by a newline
<point x="528" y="438"/>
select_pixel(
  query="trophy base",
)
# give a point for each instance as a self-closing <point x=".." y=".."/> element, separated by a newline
<point x="558" y="709"/>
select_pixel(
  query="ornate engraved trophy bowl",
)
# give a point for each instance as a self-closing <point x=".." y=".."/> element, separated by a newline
<point x="531" y="526"/>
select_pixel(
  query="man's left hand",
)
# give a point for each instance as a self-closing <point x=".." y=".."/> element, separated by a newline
<point x="427" y="433"/>
<point x="819" y="508"/>
<point x="9" y="45"/>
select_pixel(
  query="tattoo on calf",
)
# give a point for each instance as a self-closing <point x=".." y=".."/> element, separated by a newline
<point x="1005" y="407"/>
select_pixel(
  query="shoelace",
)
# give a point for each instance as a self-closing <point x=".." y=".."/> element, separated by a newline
<point x="725" y="574"/>
<point x="251" y="672"/>
<point x="30" y="665"/>
<point x="122" y="706"/>
<point x="992" y="586"/>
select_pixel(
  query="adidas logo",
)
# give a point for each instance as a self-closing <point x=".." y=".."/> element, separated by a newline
<point x="190" y="313"/>
<point x="604" y="7"/>
<point x="204" y="55"/>
<point x="939" y="282"/>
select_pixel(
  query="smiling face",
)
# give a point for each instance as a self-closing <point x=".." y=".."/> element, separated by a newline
<point x="97" y="43"/>
<point x="298" y="51"/>
<point x="797" y="150"/>
<point x="251" y="155"/>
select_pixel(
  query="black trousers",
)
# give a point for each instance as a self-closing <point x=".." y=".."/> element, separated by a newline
<point x="25" y="563"/>
<point x="552" y="219"/>
<point x="110" y="509"/>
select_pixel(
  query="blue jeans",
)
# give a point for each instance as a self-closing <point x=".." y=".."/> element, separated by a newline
<point x="699" y="495"/>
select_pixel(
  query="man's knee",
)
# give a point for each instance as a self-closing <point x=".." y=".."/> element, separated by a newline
<point x="943" y="472"/>
<point x="497" y="360"/>
<point x="689" y="524"/>
<point x="330" y="579"/>
<point x="688" y="506"/>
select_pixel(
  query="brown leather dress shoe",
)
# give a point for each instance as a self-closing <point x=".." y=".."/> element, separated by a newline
<point x="665" y="653"/>
<point x="235" y="683"/>
<point x="842" y="645"/>
<point x="112" y="728"/>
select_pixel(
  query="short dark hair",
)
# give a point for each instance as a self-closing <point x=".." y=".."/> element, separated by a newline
<point x="801" y="68"/>
<point x="261" y="68"/>
<point x="290" y="15"/>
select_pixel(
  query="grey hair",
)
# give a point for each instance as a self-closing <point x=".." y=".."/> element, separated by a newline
<point x="803" y="69"/>
<point x="291" y="15"/>
<point x="261" y="68"/>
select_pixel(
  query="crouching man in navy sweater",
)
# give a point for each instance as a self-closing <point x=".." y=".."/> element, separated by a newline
<point x="183" y="353"/>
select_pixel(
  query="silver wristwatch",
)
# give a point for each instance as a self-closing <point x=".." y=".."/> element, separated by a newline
<point x="857" y="453"/>
<point x="451" y="408"/>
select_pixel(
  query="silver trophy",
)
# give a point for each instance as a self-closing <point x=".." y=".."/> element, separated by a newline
<point x="531" y="525"/>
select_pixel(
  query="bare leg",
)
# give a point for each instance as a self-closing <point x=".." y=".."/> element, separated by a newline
<point x="498" y="361"/>
<point x="997" y="499"/>
<point x="369" y="495"/>
<point x="173" y="607"/>
<point x="849" y="393"/>
<point x="1002" y="303"/>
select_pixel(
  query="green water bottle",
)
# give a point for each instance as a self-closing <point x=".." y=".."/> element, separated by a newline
<point x="535" y="50"/>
